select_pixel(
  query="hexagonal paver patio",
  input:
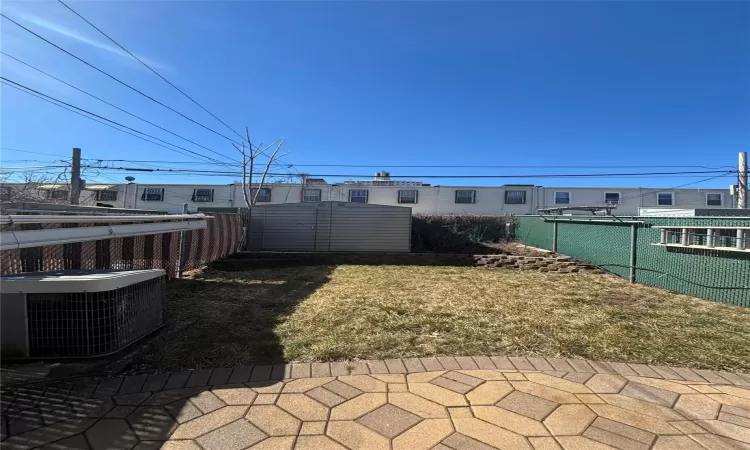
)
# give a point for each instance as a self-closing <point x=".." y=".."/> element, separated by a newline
<point x="429" y="403"/>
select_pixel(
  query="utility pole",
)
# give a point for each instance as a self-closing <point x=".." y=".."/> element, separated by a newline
<point x="742" y="185"/>
<point x="75" y="177"/>
<point x="303" y="180"/>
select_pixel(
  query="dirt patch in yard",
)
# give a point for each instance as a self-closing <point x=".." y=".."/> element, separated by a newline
<point x="373" y="312"/>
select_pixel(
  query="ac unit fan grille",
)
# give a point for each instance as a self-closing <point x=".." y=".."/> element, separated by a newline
<point x="93" y="323"/>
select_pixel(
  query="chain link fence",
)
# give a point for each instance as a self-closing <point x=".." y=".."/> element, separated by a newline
<point x="624" y="246"/>
<point x="173" y="252"/>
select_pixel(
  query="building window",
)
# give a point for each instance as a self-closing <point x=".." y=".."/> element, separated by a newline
<point x="515" y="197"/>
<point x="153" y="195"/>
<point x="466" y="196"/>
<point x="58" y="194"/>
<point x="562" y="198"/>
<point x="203" y="195"/>
<point x="311" y="195"/>
<point x="264" y="196"/>
<point x="714" y="200"/>
<point x="612" y="198"/>
<point x="665" y="199"/>
<point x="359" y="195"/>
<point x="408" y="196"/>
<point x="106" y="196"/>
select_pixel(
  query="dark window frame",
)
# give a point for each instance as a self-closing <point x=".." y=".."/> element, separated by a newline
<point x="471" y="199"/>
<point x="261" y="198"/>
<point x="610" y="202"/>
<point x="402" y="199"/>
<point x="721" y="199"/>
<point x="514" y="201"/>
<point x="150" y="195"/>
<point x="198" y="198"/>
<point x="58" y="194"/>
<point x="366" y="196"/>
<point x="305" y="192"/>
<point x="6" y="193"/>
<point x="100" y="197"/>
<point x="671" y="199"/>
<point x="569" y="199"/>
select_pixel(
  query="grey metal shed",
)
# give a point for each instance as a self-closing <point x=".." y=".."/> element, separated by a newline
<point x="330" y="227"/>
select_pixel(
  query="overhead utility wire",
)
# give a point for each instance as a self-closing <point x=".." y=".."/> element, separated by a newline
<point x="150" y="68"/>
<point x="118" y="80"/>
<point x="159" y="161"/>
<point x="670" y="188"/>
<point x="634" y="174"/>
<point x="387" y="166"/>
<point x="112" y="105"/>
<point x="42" y="97"/>
<point x="33" y="167"/>
<point x="31" y="152"/>
<point x="292" y="175"/>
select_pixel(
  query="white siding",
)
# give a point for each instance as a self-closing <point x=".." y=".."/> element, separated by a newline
<point x="633" y="198"/>
<point x="431" y="199"/>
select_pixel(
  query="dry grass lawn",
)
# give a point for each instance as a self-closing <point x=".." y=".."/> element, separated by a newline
<point x="372" y="312"/>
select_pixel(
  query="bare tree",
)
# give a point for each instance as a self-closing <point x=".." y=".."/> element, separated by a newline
<point x="250" y="155"/>
<point x="35" y="187"/>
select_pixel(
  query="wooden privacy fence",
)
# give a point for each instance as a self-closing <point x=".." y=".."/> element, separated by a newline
<point x="173" y="252"/>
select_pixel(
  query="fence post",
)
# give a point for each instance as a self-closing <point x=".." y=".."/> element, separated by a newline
<point x="740" y="243"/>
<point x="633" y="253"/>
<point x="181" y="247"/>
<point x="554" y="236"/>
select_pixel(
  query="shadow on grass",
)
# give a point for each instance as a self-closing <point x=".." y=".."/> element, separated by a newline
<point x="230" y="317"/>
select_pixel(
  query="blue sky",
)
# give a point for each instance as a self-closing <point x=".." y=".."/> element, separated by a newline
<point x="397" y="83"/>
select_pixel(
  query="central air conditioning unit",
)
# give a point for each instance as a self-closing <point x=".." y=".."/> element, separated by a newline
<point x="78" y="313"/>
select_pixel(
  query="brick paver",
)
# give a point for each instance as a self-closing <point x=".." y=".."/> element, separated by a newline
<point x="427" y="403"/>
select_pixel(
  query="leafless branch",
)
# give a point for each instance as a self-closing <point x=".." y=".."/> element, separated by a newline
<point x="250" y="153"/>
<point x="268" y="166"/>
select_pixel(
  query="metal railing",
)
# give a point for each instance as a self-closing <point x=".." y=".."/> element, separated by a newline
<point x="715" y="238"/>
<point x="175" y="243"/>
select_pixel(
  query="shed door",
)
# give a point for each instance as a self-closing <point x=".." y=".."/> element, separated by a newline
<point x="290" y="228"/>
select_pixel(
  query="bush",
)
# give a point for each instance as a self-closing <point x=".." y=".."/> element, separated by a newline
<point x="457" y="234"/>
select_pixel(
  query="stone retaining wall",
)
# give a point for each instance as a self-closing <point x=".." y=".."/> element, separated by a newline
<point x="560" y="264"/>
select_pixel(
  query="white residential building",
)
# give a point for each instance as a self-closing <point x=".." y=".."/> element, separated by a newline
<point x="422" y="198"/>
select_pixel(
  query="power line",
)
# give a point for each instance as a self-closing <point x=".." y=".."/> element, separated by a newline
<point x="110" y="104"/>
<point x="149" y="68"/>
<point x="380" y="166"/>
<point x="33" y="167"/>
<point x="99" y="121"/>
<point x="30" y="152"/>
<point x="118" y="80"/>
<point x="96" y="120"/>
<point x="673" y="187"/>
<point x="442" y="166"/>
<point x="16" y="85"/>
<point x="588" y="175"/>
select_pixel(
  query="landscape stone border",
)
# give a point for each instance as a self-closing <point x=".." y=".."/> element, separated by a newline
<point x="265" y="372"/>
<point x="559" y="264"/>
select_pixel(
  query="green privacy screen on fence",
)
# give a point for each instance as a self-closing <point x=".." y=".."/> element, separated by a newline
<point x="711" y="274"/>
